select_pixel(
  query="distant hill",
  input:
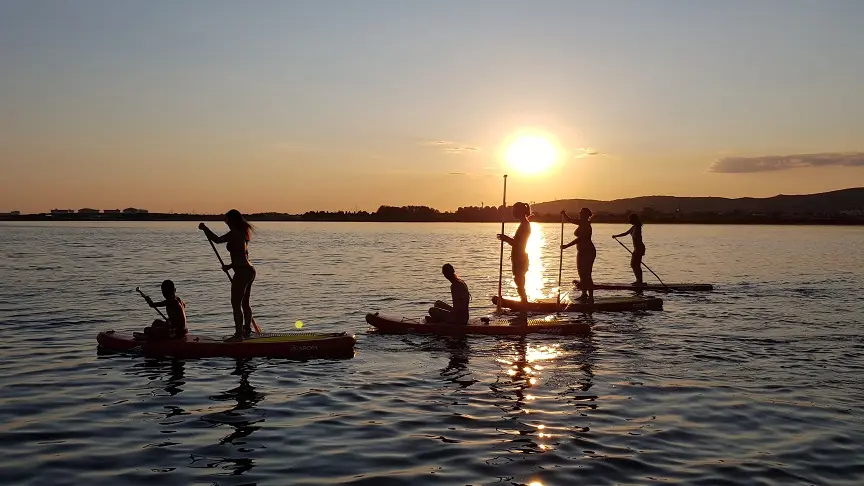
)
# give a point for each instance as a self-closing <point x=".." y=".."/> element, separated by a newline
<point x="826" y="203"/>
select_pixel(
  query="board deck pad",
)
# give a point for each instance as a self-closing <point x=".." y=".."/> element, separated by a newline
<point x="283" y="337"/>
<point x="600" y="304"/>
<point x="487" y="325"/>
<point x="669" y="287"/>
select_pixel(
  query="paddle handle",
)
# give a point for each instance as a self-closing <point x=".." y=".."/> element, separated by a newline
<point x="643" y="263"/>
<point x="145" y="298"/>
<point x="222" y="266"/>
<point x="560" y="259"/>
<point x="221" y="263"/>
<point x="501" y="253"/>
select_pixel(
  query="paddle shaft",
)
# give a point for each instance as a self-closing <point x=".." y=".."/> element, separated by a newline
<point x="501" y="254"/>
<point x="560" y="259"/>
<point x="222" y="265"/>
<point x="643" y="264"/>
<point x="145" y="298"/>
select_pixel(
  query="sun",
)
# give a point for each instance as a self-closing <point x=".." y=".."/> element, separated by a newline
<point x="531" y="154"/>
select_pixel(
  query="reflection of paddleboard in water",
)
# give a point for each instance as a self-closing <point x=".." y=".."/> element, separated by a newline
<point x="550" y="324"/>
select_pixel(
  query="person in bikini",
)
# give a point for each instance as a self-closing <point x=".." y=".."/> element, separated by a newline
<point x="635" y="232"/>
<point x="586" y="253"/>
<point x="237" y="243"/>
<point x="519" y="253"/>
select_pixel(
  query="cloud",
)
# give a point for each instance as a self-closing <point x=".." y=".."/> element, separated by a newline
<point x="581" y="153"/>
<point x="450" y="147"/>
<point x="739" y="165"/>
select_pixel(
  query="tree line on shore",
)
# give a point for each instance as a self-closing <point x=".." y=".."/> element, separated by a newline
<point x="476" y="214"/>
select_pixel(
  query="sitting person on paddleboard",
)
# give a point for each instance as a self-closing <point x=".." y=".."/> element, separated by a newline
<point x="175" y="326"/>
<point x="519" y="242"/>
<point x="458" y="312"/>
<point x="585" y="252"/>
<point x="635" y="232"/>
<point x="237" y="243"/>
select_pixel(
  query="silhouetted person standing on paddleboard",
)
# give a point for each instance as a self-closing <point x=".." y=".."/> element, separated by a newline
<point x="585" y="252"/>
<point x="237" y="241"/>
<point x="635" y="232"/>
<point x="458" y="312"/>
<point x="518" y="252"/>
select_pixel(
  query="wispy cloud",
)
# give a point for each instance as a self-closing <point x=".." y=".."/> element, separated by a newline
<point x="581" y="153"/>
<point x="449" y="147"/>
<point x="738" y="165"/>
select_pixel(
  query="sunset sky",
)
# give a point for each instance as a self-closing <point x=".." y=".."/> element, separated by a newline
<point x="294" y="105"/>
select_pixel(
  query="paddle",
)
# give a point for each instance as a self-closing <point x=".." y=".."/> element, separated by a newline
<point x="222" y="265"/>
<point x="643" y="263"/>
<point x="147" y="299"/>
<point x="560" y="259"/>
<point x="501" y="255"/>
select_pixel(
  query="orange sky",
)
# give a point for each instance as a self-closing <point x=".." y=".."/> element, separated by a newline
<point x="299" y="107"/>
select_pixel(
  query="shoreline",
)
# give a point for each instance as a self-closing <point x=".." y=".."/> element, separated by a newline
<point x="801" y="220"/>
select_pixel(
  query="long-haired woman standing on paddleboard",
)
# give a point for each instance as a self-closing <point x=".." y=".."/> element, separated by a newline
<point x="585" y="252"/>
<point x="237" y="241"/>
<point x="635" y="232"/>
<point x="519" y="242"/>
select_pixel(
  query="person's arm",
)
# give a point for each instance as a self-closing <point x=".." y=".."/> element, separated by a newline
<point x="624" y="233"/>
<point x="213" y="236"/>
<point x="156" y="304"/>
<point x="568" y="245"/>
<point x="506" y="239"/>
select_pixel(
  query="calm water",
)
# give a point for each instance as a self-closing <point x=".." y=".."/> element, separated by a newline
<point x="759" y="382"/>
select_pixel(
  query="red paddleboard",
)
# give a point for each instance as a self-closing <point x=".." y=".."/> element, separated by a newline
<point x="277" y="345"/>
<point x="600" y="304"/>
<point x="550" y="324"/>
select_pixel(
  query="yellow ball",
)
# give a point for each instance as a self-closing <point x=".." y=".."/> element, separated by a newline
<point x="298" y="324"/>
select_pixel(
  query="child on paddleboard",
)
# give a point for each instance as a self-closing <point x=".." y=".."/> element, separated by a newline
<point x="458" y="312"/>
<point x="175" y="326"/>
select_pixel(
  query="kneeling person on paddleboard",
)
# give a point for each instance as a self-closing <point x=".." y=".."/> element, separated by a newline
<point x="175" y="326"/>
<point x="458" y="312"/>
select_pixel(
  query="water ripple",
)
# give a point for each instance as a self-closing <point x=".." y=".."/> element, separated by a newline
<point x="759" y="382"/>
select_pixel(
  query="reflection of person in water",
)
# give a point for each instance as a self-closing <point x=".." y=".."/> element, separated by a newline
<point x="518" y="379"/>
<point x="176" y="378"/>
<point x="246" y="397"/>
<point x="511" y="389"/>
<point x="457" y="366"/>
<point x="581" y="352"/>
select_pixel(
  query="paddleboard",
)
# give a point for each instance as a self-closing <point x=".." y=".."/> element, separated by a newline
<point x="600" y="304"/>
<point x="277" y="345"/>
<point x="669" y="287"/>
<point x="550" y="324"/>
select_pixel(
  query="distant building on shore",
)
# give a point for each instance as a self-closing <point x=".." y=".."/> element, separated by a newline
<point x="62" y="211"/>
<point x="11" y="213"/>
<point x="88" y="211"/>
<point x="134" y="211"/>
<point x="111" y="211"/>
